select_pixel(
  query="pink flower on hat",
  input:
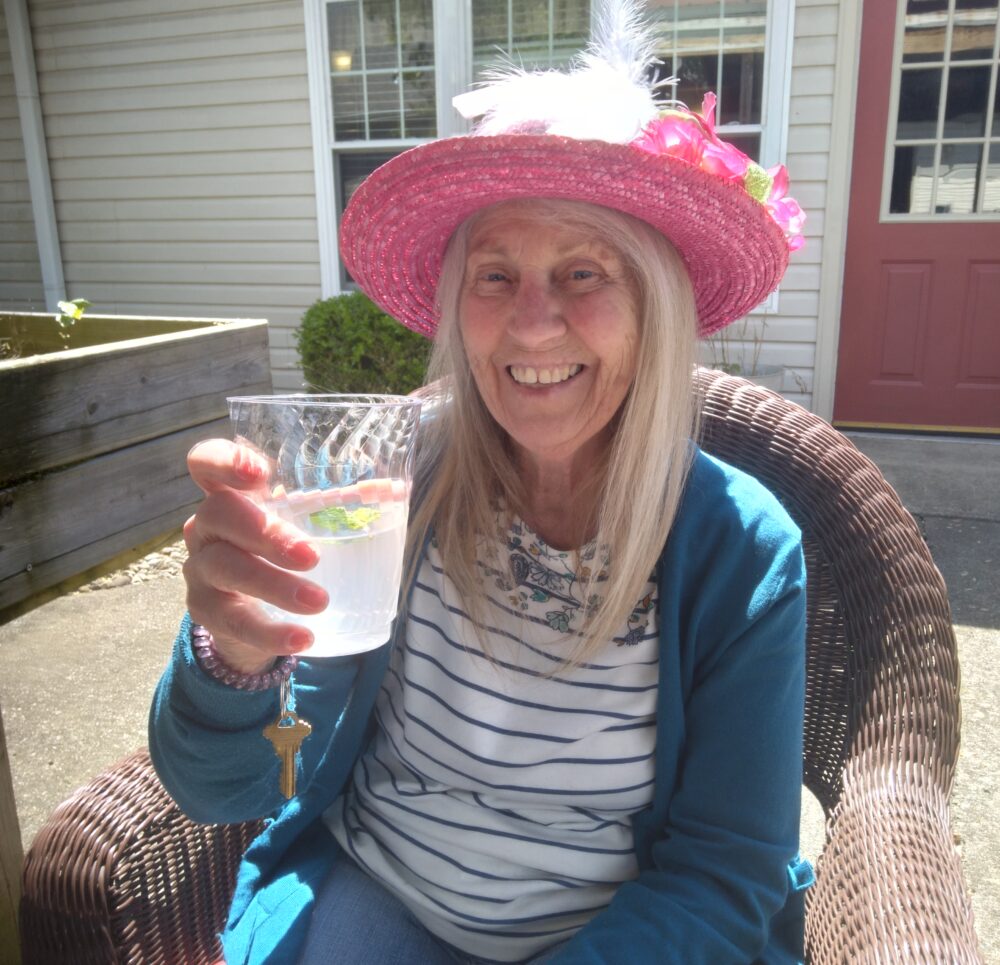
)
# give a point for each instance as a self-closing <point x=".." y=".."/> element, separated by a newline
<point x="785" y="211"/>
<point x="675" y="134"/>
<point x="680" y="133"/>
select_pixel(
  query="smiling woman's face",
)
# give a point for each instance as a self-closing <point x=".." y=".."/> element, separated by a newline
<point x="550" y="328"/>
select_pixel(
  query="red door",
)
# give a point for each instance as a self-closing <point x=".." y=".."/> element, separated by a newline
<point x="920" y="322"/>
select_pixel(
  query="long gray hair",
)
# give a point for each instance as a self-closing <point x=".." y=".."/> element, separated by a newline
<point x="466" y="458"/>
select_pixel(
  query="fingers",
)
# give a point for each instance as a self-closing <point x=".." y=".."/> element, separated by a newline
<point x="224" y="567"/>
<point x="231" y="517"/>
<point x="246" y="638"/>
<point x="220" y="464"/>
<point x="224" y="587"/>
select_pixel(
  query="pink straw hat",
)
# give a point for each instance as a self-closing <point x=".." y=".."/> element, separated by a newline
<point x="727" y="217"/>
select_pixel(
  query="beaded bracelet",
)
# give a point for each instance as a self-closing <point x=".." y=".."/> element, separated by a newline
<point x="210" y="660"/>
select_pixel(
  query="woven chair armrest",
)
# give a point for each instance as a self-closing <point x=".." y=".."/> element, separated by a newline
<point x="889" y="884"/>
<point x="117" y="873"/>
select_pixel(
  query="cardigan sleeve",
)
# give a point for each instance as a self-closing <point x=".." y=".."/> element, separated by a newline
<point x="719" y="861"/>
<point x="206" y="739"/>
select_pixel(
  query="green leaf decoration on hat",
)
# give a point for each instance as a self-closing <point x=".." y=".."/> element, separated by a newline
<point x="757" y="182"/>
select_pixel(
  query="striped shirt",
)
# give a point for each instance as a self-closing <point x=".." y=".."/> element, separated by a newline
<point x="495" y="798"/>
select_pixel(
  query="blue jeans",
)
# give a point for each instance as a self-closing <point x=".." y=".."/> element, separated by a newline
<point x="357" y="922"/>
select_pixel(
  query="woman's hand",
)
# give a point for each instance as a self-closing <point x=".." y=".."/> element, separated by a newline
<point x="239" y="554"/>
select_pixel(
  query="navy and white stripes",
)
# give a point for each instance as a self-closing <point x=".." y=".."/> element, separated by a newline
<point x="495" y="799"/>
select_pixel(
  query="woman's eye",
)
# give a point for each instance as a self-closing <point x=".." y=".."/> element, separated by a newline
<point x="494" y="276"/>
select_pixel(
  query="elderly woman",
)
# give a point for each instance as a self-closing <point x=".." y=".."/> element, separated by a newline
<point x="584" y="741"/>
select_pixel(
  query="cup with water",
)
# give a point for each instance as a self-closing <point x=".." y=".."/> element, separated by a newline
<point x="340" y="470"/>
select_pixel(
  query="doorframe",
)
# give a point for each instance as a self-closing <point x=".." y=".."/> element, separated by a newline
<point x="838" y="186"/>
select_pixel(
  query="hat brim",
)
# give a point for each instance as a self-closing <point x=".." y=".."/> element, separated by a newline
<point x="395" y="230"/>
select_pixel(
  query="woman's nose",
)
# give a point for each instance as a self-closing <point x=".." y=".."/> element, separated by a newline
<point x="538" y="313"/>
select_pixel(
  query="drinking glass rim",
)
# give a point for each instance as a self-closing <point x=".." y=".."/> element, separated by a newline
<point x="331" y="400"/>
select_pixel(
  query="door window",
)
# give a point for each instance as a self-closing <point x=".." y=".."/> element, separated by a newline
<point x="945" y="116"/>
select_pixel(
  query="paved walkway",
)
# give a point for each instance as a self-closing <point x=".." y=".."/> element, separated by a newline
<point x="76" y="674"/>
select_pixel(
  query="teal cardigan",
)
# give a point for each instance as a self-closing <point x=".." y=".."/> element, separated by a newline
<point x="720" y="878"/>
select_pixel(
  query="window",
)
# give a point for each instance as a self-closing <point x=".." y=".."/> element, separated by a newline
<point x="945" y="136"/>
<point x="718" y="45"/>
<point x="382" y="73"/>
<point x="534" y="33"/>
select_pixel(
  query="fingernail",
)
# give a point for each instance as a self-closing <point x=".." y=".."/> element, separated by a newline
<point x="249" y="468"/>
<point x="302" y="553"/>
<point x="312" y="596"/>
<point x="299" y="640"/>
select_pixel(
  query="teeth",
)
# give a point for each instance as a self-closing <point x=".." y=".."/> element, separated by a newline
<point x="527" y="375"/>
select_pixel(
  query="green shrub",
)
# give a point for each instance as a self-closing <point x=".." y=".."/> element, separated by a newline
<point x="347" y="344"/>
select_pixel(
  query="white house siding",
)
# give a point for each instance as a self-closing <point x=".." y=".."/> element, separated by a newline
<point x="789" y="334"/>
<point x="180" y="148"/>
<point x="20" y="270"/>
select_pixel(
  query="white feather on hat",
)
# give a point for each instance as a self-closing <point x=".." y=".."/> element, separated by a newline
<point x="605" y="96"/>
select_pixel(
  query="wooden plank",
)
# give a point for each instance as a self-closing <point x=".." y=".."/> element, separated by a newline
<point x="121" y="559"/>
<point x="11" y="859"/>
<point x="69" y="520"/>
<point x="92" y="401"/>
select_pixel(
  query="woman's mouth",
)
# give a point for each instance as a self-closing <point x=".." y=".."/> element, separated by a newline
<point x="529" y="375"/>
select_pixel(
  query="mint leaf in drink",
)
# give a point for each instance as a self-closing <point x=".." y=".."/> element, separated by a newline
<point x="336" y="518"/>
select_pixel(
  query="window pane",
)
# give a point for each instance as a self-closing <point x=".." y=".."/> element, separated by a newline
<point x="348" y="109"/>
<point x="991" y="195"/>
<point x="996" y="108"/>
<point x="965" y="110"/>
<point x="958" y="179"/>
<point x="749" y="144"/>
<point x="742" y="88"/>
<point x="533" y="33"/>
<point x="383" y="106"/>
<point x="925" y="33"/>
<point x="380" y="33"/>
<point x="419" y="104"/>
<point x="912" y="180"/>
<point x="972" y="34"/>
<point x="353" y="169"/>
<point x="372" y="42"/>
<point x="342" y="27"/>
<point x="416" y="32"/>
<point x="918" y="104"/>
<point x="695" y="75"/>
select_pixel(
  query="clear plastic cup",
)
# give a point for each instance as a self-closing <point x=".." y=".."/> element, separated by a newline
<point x="340" y="470"/>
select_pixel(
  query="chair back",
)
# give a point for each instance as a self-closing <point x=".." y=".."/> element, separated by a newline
<point x="881" y="656"/>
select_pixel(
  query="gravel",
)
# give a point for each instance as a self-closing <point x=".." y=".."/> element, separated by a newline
<point x="163" y="562"/>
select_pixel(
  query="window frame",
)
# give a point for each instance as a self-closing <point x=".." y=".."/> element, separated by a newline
<point x="453" y="75"/>
<point x="889" y="150"/>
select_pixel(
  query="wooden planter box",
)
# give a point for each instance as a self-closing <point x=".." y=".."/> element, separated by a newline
<point x="94" y="432"/>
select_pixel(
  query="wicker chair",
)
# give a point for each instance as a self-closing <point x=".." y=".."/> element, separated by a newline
<point x="118" y="875"/>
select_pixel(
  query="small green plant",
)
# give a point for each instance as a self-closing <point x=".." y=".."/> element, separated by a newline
<point x="347" y="344"/>
<point x="70" y="313"/>
<point x="736" y="349"/>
